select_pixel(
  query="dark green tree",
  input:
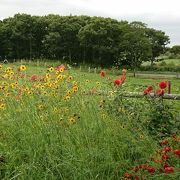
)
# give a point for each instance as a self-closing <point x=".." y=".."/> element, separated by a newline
<point x="135" y="47"/>
<point x="158" y="41"/>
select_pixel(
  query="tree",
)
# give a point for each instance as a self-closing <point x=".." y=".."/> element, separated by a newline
<point x="101" y="37"/>
<point x="175" y="49"/>
<point x="93" y="40"/>
<point x="135" y="47"/>
<point x="158" y="41"/>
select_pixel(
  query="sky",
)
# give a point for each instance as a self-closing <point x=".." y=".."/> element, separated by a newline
<point x="159" y="14"/>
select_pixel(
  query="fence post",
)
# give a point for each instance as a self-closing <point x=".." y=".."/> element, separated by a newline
<point x="95" y="70"/>
<point x="177" y="75"/>
<point x="37" y="63"/>
<point x="169" y="87"/>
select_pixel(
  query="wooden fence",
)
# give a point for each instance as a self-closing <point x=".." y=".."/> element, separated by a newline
<point x="140" y="95"/>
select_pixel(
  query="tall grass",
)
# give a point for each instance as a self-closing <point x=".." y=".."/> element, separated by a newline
<point x="43" y="136"/>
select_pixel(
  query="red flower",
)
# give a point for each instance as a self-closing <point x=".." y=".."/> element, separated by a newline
<point x="33" y="78"/>
<point x="150" y="169"/>
<point x="143" y="166"/>
<point x="136" y="168"/>
<point x="150" y="87"/>
<point x="102" y="73"/>
<point x="60" y="66"/>
<point x="127" y="175"/>
<point x="155" y="161"/>
<point x="165" y="142"/>
<point x="165" y="157"/>
<point x="165" y="165"/>
<point x="159" y="92"/>
<point x="167" y="149"/>
<point x="122" y="79"/>
<point x="146" y="92"/>
<point x="117" y="82"/>
<point x="168" y="170"/>
<point x="173" y="135"/>
<point x="177" y="152"/>
<point x="162" y="85"/>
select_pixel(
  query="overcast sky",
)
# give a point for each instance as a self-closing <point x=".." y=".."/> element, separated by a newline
<point x="159" y="14"/>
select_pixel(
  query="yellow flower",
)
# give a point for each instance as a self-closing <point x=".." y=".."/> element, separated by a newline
<point x="2" y="106"/>
<point x="55" y="110"/>
<point x="60" y="121"/>
<point x="11" y="73"/>
<point x="13" y="85"/>
<point x="22" y="68"/>
<point x="7" y="94"/>
<point x="70" y="78"/>
<point x="66" y="110"/>
<point x="16" y="83"/>
<point x="29" y="92"/>
<point x="103" y="101"/>
<point x="41" y="87"/>
<point x="68" y="93"/>
<point x="75" y="89"/>
<point x="98" y="83"/>
<point x="40" y="106"/>
<point x="104" y="116"/>
<point x="8" y="70"/>
<point x="74" y="83"/>
<point x="59" y="77"/>
<point x="51" y="69"/>
<point x="61" y="70"/>
<point x="72" y="120"/>
<point x="45" y="93"/>
<point x="47" y="75"/>
<point x="67" y="97"/>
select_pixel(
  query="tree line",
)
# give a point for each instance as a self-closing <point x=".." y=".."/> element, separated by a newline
<point x="80" y="39"/>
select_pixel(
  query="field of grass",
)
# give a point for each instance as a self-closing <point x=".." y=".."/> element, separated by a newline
<point x="173" y="62"/>
<point x="55" y="125"/>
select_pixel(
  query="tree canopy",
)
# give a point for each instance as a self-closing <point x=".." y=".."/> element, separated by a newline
<point x="80" y="39"/>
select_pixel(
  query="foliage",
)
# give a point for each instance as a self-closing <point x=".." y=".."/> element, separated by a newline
<point x="158" y="41"/>
<point x="79" y="39"/>
<point x="175" y="49"/>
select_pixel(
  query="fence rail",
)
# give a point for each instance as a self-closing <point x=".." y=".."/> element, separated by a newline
<point x="165" y="96"/>
<point x="141" y="95"/>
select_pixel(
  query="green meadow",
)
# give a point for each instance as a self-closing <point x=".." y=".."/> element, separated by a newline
<point x="58" y="126"/>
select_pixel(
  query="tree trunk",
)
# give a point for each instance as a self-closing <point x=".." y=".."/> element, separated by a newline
<point x="92" y="55"/>
<point x="30" y="49"/>
<point x="99" y="57"/>
<point x="84" y="56"/>
<point x="152" y="60"/>
<point x="134" y="72"/>
<point x="70" y="55"/>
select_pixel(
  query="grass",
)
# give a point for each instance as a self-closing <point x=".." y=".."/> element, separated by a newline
<point x="45" y="135"/>
<point x="173" y="62"/>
